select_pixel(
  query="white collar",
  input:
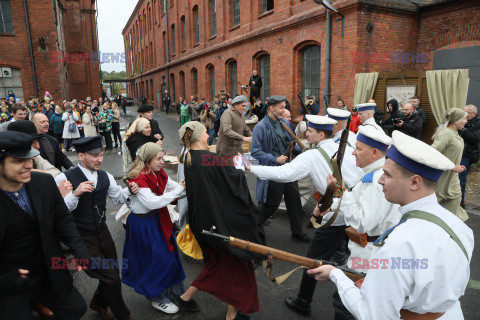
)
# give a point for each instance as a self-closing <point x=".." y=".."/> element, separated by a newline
<point x="321" y="143"/>
<point x="419" y="204"/>
<point x="368" y="121"/>
<point x="374" y="165"/>
<point x="86" y="171"/>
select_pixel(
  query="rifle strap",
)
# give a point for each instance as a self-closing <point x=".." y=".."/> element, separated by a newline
<point x="268" y="267"/>
<point x="336" y="173"/>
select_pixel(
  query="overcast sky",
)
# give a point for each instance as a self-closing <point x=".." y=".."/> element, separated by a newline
<point x="112" y="17"/>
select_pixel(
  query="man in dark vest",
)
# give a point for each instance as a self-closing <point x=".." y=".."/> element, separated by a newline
<point x="33" y="220"/>
<point x="255" y="85"/>
<point x="146" y="111"/>
<point x="87" y="202"/>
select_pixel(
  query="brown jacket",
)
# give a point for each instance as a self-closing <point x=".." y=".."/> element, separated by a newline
<point x="207" y="119"/>
<point x="231" y="133"/>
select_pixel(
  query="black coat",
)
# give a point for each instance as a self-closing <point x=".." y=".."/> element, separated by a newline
<point x="422" y="114"/>
<point x="471" y="137"/>
<point x="61" y="160"/>
<point x="412" y="126"/>
<point x="255" y="88"/>
<point x="55" y="224"/>
<point x="135" y="141"/>
<point x="155" y="128"/>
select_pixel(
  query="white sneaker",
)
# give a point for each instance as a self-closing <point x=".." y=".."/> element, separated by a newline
<point x="63" y="150"/>
<point x="169" y="308"/>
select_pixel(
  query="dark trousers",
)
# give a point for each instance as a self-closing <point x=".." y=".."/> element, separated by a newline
<point x="463" y="176"/>
<point x="341" y="312"/>
<point x="108" y="139"/>
<point x="292" y="201"/>
<point x="109" y="291"/>
<point x="327" y="244"/>
<point x="124" y="107"/>
<point x="116" y="133"/>
<point x="18" y="307"/>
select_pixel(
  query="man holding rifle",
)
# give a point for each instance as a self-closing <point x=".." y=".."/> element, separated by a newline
<point x="364" y="209"/>
<point x="426" y="254"/>
<point x="342" y="117"/>
<point x="316" y="163"/>
<point x="271" y="145"/>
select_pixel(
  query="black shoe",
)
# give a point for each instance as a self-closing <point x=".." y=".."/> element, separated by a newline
<point x="242" y="316"/>
<point x="299" y="305"/>
<point x="301" y="238"/>
<point x="190" y="306"/>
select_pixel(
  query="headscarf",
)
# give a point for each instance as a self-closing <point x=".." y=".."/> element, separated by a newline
<point x="137" y="126"/>
<point x="148" y="151"/>
<point x="197" y="128"/>
<point x="453" y="115"/>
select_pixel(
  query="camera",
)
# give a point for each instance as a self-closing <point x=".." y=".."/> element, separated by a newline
<point x="396" y="121"/>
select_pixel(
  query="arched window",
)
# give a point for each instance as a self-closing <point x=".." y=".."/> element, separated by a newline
<point x="172" y="87"/>
<point x="213" y="17"/>
<point x="194" y="79"/>
<point x="311" y="71"/>
<point x="174" y="47"/>
<point x="231" y="77"/>
<point x="196" y="27"/>
<point x="265" y="74"/>
<point x="182" y="83"/>
<point x="184" y="33"/>
<point x="210" y="81"/>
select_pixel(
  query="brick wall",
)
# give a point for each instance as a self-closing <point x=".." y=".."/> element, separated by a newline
<point x="52" y="76"/>
<point x="375" y="39"/>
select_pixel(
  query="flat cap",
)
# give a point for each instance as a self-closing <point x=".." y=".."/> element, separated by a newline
<point x="24" y="126"/>
<point x="275" y="99"/>
<point x="17" y="145"/>
<point x="145" y="108"/>
<point x="92" y="145"/>
<point x="239" y="99"/>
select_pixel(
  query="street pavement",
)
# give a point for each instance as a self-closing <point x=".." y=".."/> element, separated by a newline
<point x="271" y="296"/>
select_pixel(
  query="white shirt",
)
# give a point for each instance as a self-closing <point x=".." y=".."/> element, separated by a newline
<point x="352" y="138"/>
<point x="436" y="287"/>
<point x="366" y="210"/>
<point x="115" y="192"/>
<point x="145" y="200"/>
<point x="371" y="122"/>
<point x="311" y="162"/>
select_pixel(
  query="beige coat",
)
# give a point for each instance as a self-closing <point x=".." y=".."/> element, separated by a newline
<point x="448" y="190"/>
<point x="42" y="164"/>
<point x="89" y="128"/>
<point x="207" y="119"/>
<point x="231" y="133"/>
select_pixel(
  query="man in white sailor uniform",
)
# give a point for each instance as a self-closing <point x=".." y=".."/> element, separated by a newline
<point x="365" y="208"/>
<point x="365" y="114"/>
<point x="427" y="254"/>
<point x="316" y="162"/>
<point x="341" y="116"/>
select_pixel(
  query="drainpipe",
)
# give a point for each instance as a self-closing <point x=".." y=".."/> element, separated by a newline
<point x="30" y="48"/>
<point x="167" y="44"/>
<point x="326" y="92"/>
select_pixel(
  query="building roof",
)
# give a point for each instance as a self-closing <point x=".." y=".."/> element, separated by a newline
<point x="409" y="5"/>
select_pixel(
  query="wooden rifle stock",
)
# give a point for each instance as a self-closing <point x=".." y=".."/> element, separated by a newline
<point x="290" y="133"/>
<point x="283" y="255"/>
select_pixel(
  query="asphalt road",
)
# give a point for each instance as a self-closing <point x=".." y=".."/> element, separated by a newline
<point x="278" y="236"/>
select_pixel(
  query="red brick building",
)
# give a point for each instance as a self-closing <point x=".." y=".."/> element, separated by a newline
<point x="57" y="54"/>
<point x="200" y="47"/>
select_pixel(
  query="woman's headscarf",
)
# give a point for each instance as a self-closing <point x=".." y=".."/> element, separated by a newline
<point x="453" y="115"/>
<point x="137" y="126"/>
<point x="195" y="126"/>
<point x="148" y="151"/>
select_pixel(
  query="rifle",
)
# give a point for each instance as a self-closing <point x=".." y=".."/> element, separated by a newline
<point x="282" y="255"/>
<point x="327" y="199"/>
<point x="302" y="104"/>
<point x="287" y="129"/>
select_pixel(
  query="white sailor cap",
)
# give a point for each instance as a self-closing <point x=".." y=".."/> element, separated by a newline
<point x="374" y="137"/>
<point x="418" y="157"/>
<point x="320" y="122"/>
<point x="338" y="114"/>
<point x="365" y="106"/>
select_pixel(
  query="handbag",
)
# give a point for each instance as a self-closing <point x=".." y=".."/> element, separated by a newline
<point x="72" y="127"/>
<point x="102" y="126"/>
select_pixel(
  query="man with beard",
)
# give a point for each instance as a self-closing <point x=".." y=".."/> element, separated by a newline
<point x="87" y="202"/>
<point x="411" y="123"/>
<point x="255" y="84"/>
